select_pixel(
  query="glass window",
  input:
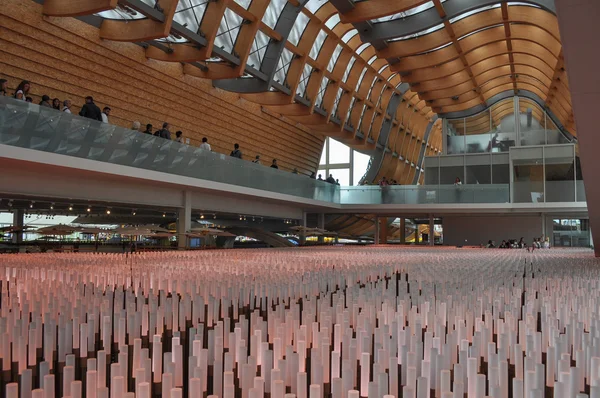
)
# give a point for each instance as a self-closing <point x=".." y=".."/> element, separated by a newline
<point x="323" y="160"/>
<point x="348" y="69"/>
<point x="259" y="47"/>
<point x="304" y="80"/>
<point x="422" y="33"/>
<point x="407" y="13"/>
<point x="314" y="5"/>
<point x="228" y="30"/>
<point x="342" y="175"/>
<point x="301" y="21"/>
<point x="338" y="152"/>
<point x="334" y="58"/>
<point x="528" y="175"/>
<point x="338" y="97"/>
<point x="321" y="92"/>
<point x="189" y="13"/>
<point x="349" y="35"/>
<point x="333" y="21"/>
<point x="360" y="166"/>
<point x="531" y="121"/>
<point x="273" y="12"/>
<point x="314" y="51"/>
<point x="244" y="3"/>
<point x="283" y="65"/>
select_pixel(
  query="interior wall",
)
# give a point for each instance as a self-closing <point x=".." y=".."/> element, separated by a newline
<point x="478" y="230"/>
<point x="64" y="58"/>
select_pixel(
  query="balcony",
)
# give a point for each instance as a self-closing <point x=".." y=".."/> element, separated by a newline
<point x="44" y="129"/>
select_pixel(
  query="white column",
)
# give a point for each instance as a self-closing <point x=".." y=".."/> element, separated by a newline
<point x="184" y="219"/>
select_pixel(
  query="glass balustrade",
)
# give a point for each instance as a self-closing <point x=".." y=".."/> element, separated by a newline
<point x="44" y="129"/>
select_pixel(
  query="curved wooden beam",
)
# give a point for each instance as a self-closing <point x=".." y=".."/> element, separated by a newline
<point x="373" y="9"/>
<point x="140" y="30"/>
<point x="76" y="8"/>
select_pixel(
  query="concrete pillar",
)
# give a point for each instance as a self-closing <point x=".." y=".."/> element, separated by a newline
<point x="383" y="230"/>
<point x="18" y="222"/>
<point x="402" y="230"/>
<point x="376" y="241"/>
<point x="431" y="230"/>
<point x="184" y="220"/>
<point x="303" y="232"/>
<point x="321" y="225"/>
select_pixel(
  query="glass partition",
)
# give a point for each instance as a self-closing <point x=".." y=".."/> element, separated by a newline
<point x="426" y="194"/>
<point x="478" y="169"/>
<point x="500" y="168"/>
<point x="532" y="120"/>
<point x="559" y="173"/>
<point x="477" y="133"/>
<point x="432" y="170"/>
<point x="45" y="129"/>
<point x="455" y="141"/>
<point x="528" y="175"/>
<point x="451" y="168"/>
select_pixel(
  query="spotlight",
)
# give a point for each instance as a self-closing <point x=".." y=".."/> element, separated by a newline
<point x="89" y="209"/>
<point x="164" y="214"/>
<point x="241" y="218"/>
<point x="214" y="216"/>
<point x="133" y="213"/>
<point x="52" y="206"/>
<point x="31" y="204"/>
<point x="71" y="208"/>
<point x="201" y="215"/>
<point x="252" y="218"/>
<point x="107" y="211"/>
<point x="244" y="218"/>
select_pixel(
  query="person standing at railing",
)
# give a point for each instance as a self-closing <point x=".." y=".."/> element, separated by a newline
<point x="205" y="145"/>
<point x="56" y="104"/>
<point x="105" y="114"/>
<point x="313" y="176"/>
<point x="90" y="110"/>
<point x="3" y="87"/>
<point x="148" y="129"/>
<point x="22" y="90"/>
<point x="179" y="136"/>
<point x="236" y="153"/>
<point x="136" y="126"/>
<point x="164" y="132"/>
<point x="45" y="101"/>
<point x="66" y="106"/>
<point x="274" y="164"/>
<point x="257" y="160"/>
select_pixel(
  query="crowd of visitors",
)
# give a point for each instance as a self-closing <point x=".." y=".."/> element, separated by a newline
<point x="537" y="243"/>
<point x="92" y="111"/>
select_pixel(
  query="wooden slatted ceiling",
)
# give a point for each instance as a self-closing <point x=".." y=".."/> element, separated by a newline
<point x="481" y="55"/>
<point x="368" y="111"/>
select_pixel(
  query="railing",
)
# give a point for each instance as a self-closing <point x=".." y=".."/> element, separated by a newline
<point x="45" y="129"/>
<point x="425" y="194"/>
